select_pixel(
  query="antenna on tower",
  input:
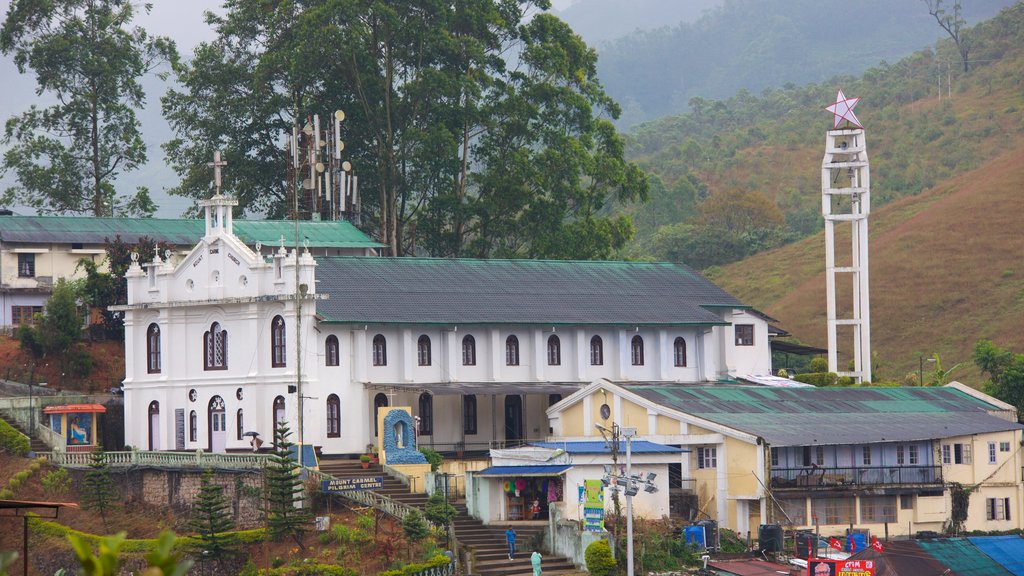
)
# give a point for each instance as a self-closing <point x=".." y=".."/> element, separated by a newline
<point x="328" y="190"/>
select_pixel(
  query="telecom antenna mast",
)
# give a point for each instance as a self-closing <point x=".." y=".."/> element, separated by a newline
<point x="323" y="186"/>
<point x="846" y="201"/>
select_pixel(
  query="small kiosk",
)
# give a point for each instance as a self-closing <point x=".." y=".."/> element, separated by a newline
<point x="77" y="423"/>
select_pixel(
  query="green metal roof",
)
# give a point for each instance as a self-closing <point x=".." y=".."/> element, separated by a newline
<point x="176" y="231"/>
<point x="805" y="416"/>
<point x="546" y="292"/>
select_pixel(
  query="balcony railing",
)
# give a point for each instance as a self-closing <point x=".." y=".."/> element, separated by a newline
<point x="823" y="477"/>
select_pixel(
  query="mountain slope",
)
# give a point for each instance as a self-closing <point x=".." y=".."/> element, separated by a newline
<point x="947" y="269"/>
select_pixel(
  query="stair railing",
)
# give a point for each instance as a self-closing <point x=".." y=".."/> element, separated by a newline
<point x="375" y="500"/>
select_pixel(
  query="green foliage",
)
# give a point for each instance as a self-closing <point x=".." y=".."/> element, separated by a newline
<point x="309" y="569"/>
<point x="58" y="331"/>
<point x="433" y="457"/>
<point x="285" y="493"/>
<point x="437" y="511"/>
<point x="57" y="531"/>
<point x="939" y="376"/>
<point x="414" y="526"/>
<point x="960" y="498"/>
<point x="730" y="542"/>
<point x="99" y="493"/>
<point x="163" y="561"/>
<point x="106" y="561"/>
<point x="817" y="364"/>
<point x="484" y="131"/>
<point x="86" y="56"/>
<point x="660" y="549"/>
<point x="212" y="520"/>
<point x="1005" y="370"/>
<point x="598" y="557"/>
<point x="410" y="569"/>
<point x="12" y="441"/>
<point x="7" y="559"/>
<point x="56" y="482"/>
<point x="819" y="379"/>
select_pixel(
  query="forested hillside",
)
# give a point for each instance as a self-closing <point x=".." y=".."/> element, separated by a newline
<point x="947" y="243"/>
<point x="757" y="44"/>
<point x="736" y="177"/>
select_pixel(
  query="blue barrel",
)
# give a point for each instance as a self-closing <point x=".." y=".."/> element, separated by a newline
<point x="694" y="535"/>
<point x="858" y="538"/>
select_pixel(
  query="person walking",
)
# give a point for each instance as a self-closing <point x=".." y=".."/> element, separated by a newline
<point x="535" y="560"/>
<point x="510" y="537"/>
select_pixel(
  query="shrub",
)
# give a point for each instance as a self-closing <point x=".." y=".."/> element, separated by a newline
<point x="307" y="570"/>
<point x="438" y="511"/>
<point x="817" y="365"/>
<point x="56" y="482"/>
<point x="414" y="527"/>
<point x="409" y="569"/>
<point x="433" y="457"/>
<point x="599" y="558"/>
<point x="12" y="441"/>
<point x="819" y="379"/>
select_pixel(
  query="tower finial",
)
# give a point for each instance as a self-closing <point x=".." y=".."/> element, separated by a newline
<point x="216" y="165"/>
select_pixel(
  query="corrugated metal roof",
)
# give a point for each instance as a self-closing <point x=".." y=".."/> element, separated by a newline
<point x="962" y="557"/>
<point x="807" y="416"/>
<point x="507" y="471"/>
<point x="1007" y="551"/>
<point x="175" y="231"/>
<point x="552" y="293"/>
<point x="599" y="447"/>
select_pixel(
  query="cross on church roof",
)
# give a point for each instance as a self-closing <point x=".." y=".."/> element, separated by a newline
<point x="216" y="165"/>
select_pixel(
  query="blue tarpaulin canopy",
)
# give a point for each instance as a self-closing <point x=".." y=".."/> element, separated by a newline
<point x="506" y="471"/>
<point x="1008" y="551"/>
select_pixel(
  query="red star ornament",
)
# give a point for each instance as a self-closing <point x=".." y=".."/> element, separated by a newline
<point x="843" y="110"/>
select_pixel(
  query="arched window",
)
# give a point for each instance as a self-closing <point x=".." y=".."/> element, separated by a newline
<point x="554" y="351"/>
<point x="331" y="350"/>
<point x="679" y="351"/>
<point x="215" y="348"/>
<point x="379" y="401"/>
<point x="468" y="350"/>
<point x="469" y="414"/>
<point x="512" y="351"/>
<point x="426" y="414"/>
<point x="596" y="351"/>
<point x="153" y="349"/>
<point x="193" y="426"/>
<point x="423" y="350"/>
<point x="154" y="425"/>
<point x="277" y="350"/>
<point x="279" y="413"/>
<point x="239" y="425"/>
<point x="638" y="350"/>
<point x="333" y="416"/>
<point x="380" y="350"/>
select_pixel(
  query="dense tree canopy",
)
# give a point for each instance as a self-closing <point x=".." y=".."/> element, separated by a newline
<point x="88" y="57"/>
<point x="477" y="127"/>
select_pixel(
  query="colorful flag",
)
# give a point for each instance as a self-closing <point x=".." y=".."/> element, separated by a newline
<point x="835" y="543"/>
<point x="877" y="545"/>
<point x="853" y="543"/>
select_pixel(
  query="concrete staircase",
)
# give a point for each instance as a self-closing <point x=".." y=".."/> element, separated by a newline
<point x="487" y="543"/>
<point x="35" y="444"/>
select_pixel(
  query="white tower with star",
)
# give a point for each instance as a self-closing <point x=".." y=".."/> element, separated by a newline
<point x="845" y="204"/>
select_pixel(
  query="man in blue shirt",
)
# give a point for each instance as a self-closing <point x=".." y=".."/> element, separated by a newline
<point x="510" y="537"/>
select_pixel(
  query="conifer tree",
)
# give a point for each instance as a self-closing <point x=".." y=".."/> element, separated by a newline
<point x="286" y="515"/>
<point x="211" y="520"/>
<point x="100" y="493"/>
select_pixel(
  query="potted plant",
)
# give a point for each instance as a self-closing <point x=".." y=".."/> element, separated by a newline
<point x="374" y="456"/>
<point x="365" y="460"/>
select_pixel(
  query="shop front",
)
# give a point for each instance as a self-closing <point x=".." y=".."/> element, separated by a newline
<point x="525" y="492"/>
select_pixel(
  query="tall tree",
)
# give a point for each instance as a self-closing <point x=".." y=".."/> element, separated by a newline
<point x="88" y="57"/>
<point x="1006" y="372"/>
<point x="954" y="25"/>
<point x="211" y="520"/>
<point x="477" y="127"/>
<point x="285" y="492"/>
<point x="100" y="493"/>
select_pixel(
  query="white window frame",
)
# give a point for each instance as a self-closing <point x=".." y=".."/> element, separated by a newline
<point x="707" y="458"/>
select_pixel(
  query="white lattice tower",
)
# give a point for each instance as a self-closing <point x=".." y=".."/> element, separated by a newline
<point x="846" y="199"/>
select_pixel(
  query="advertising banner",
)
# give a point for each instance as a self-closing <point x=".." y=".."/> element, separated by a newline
<point x="346" y="484"/>
<point x="593" y="506"/>
<point x="821" y="567"/>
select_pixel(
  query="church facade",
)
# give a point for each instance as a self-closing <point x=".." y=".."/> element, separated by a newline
<point x="225" y="341"/>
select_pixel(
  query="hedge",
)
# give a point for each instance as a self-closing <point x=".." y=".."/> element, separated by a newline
<point x="819" y="379"/>
<point x="309" y="570"/>
<point x="410" y="569"/>
<point x="132" y="545"/>
<point x="13" y="441"/>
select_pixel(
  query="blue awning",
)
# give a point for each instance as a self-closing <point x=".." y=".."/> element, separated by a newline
<point x="506" y="471"/>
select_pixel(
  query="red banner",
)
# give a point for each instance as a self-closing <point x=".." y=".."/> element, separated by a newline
<point x="818" y="567"/>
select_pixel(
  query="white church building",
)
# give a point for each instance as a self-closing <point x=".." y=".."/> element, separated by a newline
<point x="224" y="341"/>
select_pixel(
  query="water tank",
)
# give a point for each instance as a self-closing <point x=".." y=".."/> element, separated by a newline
<point x="694" y="536"/>
<point x="710" y="533"/>
<point x="769" y="537"/>
<point x="806" y="544"/>
<point x="857" y="541"/>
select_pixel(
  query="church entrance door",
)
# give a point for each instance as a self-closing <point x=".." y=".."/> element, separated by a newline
<point x="218" y="425"/>
<point x="154" y="425"/>
<point x="513" y="417"/>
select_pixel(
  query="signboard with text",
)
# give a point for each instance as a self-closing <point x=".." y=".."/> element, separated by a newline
<point x="593" y="506"/>
<point x="822" y="567"/>
<point x="347" y="484"/>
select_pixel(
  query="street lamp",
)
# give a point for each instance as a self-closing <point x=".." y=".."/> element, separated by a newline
<point x="629" y="483"/>
<point x="920" y="369"/>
